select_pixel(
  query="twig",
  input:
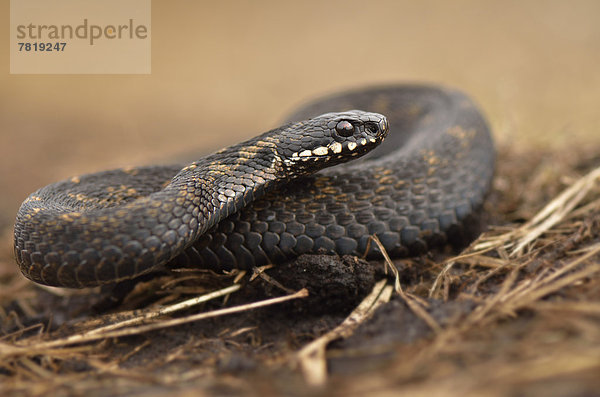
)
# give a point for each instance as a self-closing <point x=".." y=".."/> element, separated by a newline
<point x="311" y="357"/>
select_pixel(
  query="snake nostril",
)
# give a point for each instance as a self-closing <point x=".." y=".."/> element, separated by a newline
<point x="371" y="128"/>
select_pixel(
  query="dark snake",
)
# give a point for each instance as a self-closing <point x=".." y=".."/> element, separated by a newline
<point x="269" y="199"/>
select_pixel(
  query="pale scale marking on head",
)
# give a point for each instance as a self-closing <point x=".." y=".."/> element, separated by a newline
<point x="336" y="147"/>
<point x="320" y="151"/>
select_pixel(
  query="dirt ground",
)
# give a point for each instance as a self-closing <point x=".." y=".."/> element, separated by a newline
<point x="498" y="321"/>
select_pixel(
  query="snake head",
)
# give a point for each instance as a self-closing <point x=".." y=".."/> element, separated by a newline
<point x="329" y="139"/>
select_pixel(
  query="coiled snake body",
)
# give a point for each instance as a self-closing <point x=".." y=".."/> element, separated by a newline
<point x="262" y="202"/>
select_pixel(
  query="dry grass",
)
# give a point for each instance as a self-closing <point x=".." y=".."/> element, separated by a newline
<point x="533" y="324"/>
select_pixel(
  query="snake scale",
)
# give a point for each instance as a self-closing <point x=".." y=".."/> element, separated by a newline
<point x="271" y="198"/>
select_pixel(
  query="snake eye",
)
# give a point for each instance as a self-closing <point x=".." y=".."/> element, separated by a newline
<point x="344" y="128"/>
<point x="371" y="128"/>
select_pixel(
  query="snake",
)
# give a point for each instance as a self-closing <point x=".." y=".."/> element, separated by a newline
<point x="410" y="168"/>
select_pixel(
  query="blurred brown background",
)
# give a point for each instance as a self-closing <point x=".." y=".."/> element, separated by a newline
<point x="224" y="71"/>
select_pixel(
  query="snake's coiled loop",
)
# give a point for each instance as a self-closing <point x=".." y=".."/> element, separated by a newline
<point x="259" y="202"/>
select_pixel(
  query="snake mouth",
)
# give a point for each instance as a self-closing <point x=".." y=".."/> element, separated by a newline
<point x="339" y="149"/>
